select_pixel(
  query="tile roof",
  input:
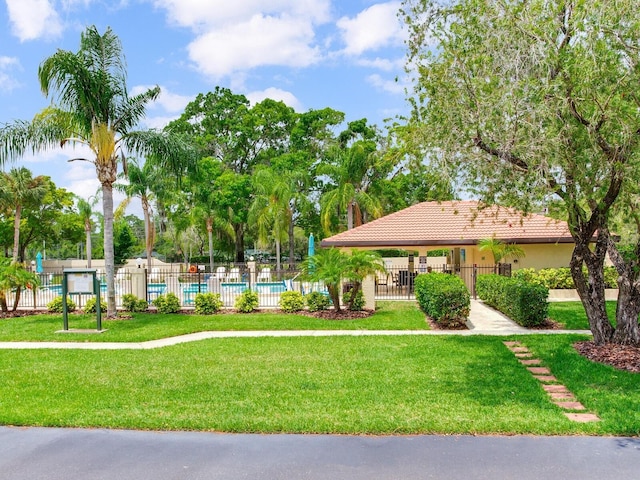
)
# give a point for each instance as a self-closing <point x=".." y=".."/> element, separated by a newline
<point x="457" y="222"/>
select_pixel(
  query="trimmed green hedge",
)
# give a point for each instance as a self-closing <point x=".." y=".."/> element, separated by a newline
<point x="561" y="277"/>
<point x="443" y="297"/>
<point x="523" y="302"/>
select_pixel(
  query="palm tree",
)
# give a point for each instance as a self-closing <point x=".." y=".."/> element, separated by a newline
<point x="273" y="207"/>
<point x="500" y="249"/>
<point x="141" y="181"/>
<point x="94" y="109"/>
<point x="362" y="263"/>
<point x="85" y="210"/>
<point x="350" y="172"/>
<point x="17" y="188"/>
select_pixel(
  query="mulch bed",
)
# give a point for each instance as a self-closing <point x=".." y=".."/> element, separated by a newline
<point x="622" y="357"/>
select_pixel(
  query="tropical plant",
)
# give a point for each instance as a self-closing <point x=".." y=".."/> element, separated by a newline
<point x="168" y="303"/>
<point x="208" y="303"/>
<point x="18" y="188"/>
<point x="85" y="210"/>
<point x="140" y="183"/>
<point x="90" y="306"/>
<point x="247" y="301"/>
<point x="94" y="109"/>
<point x="361" y="264"/>
<point x="352" y="169"/>
<point x="56" y="306"/>
<point x="291" y="301"/>
<point x="13" y="276"/>
<point x="499" y="249"/>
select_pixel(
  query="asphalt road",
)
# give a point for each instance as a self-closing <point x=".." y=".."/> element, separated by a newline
<point x="76" y="454"/>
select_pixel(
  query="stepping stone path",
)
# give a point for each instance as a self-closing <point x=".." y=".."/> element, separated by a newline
<point x="558" y="393"/>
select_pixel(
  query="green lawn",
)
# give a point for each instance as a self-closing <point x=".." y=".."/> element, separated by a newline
<point x="573" y="316"/>
<point x="372" y="385"/>
<point x="151" y="326"/>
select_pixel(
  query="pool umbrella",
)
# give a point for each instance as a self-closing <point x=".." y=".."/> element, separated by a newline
<point x="39" y="268"/>
<point x="311" y="250"/>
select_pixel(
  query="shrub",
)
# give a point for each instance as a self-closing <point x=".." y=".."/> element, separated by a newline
<point x="90" y="306"/>
<point x="208" y="303"/>
<point x="443" y="297"/>
<point x="291" y="301"/>
<point x="55" y="305"/>
<point x="561" y="277"/>
<point x="316" y="301"/>
<point x="358" y="303"/>
<point x="131" y="303"/>
<point x="247" y="301"/>
<point x="523" y="302"/>
<point x="169" y="303"/>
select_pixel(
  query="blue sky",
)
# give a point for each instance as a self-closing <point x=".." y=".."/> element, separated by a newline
<point x="309" y="53"/>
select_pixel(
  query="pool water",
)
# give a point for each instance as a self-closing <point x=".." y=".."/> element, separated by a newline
<point x="270" y="287"/>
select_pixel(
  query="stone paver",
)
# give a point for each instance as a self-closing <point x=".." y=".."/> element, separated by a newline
<point x="558" y="393"/>
<point x="539" y="370"/>
<point x="582" y="417"/>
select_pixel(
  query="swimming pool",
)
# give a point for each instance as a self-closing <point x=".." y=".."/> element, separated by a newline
<point x="234" y="287"/>
<point x="270" y="287"/>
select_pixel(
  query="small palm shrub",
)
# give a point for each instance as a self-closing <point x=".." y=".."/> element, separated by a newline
<point x="131" y="303"/>
<point x="208" y="303"/>
<point x="316" y="301"/>
<point x="247" y="301"/>
<point x="90" y="306"/>
<point x="291" y="301"/>
<point x="55" y="305"/>
<point x="358" y="302"/>
<point x="169" y="303"/>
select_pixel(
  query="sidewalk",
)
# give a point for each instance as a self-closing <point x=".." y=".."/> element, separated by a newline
<point x="482" y="321"/>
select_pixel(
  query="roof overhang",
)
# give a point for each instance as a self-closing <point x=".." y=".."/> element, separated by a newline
<point x="435" y="243"/>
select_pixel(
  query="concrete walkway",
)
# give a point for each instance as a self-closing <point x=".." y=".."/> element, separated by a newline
<point x="482" y="321"/>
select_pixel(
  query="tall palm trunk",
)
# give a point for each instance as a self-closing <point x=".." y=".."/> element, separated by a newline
<point x="87" y="231"/>
<point x="109" y="257"/>
<point x="16" y="234"/>
<point x="149" y="234"/>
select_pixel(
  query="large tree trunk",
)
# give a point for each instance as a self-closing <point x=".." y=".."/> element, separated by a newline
<point x="16" y="234"/>
<point x="350" y="216"/>
<point x="210" y="238"/>
<point x="627" y="331"/>
<point x="591" y="287"/>
<point x="109" y="258"/>
<point x="239" y="242"/>
<point x="278" y="265"/>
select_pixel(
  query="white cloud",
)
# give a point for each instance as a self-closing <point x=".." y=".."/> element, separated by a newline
<point x="201" y="15"/>
<point x="390" y="86"/>
<point x="375" y="27"/>
<point x="384" y="64"/>
<point x="168" y="101"/>
<point x="260" y="41"/>
<point x="32" y="19"/>
<point x="275" y="94"/>
<point x="7" y="82"/>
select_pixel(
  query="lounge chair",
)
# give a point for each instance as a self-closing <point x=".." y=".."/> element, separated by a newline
<point x="221" y="274"/>
<point x="264" y="275"/>
<point x="234" y="275"/>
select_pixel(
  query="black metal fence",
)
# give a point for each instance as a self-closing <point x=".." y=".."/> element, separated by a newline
<point x="229" y="281"/>
<point x="397" y="282"/>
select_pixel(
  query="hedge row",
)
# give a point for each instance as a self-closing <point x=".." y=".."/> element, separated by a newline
<point x="523" y="302"/>
<point x="561" y="277"/>
<point x="443" y="297"/>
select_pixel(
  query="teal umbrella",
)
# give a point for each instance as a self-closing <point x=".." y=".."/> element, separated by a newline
<point x="39" y="268"/>
<point x="311" y="250"/>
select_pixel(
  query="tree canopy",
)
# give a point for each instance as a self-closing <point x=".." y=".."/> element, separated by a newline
<point x="538" y="100"/>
